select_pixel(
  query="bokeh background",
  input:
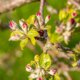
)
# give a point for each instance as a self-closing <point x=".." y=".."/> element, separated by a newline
<point x="12" y="59"/>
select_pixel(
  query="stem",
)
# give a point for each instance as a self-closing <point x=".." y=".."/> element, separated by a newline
<point x="75" y="3"/>
<point x="41" y="10"/>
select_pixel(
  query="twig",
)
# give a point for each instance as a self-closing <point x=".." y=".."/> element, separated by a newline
<point x="41" y="10"/>
<point x="9" y="5"/>
<point x="75" y="3"/>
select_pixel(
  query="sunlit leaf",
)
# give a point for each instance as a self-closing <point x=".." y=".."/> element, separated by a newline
<point x="31" y="20"/>
<point x="32" y="40"/>
<point x="45" y="61"/>
<point x="32" y="34"/>
<point x="48" y="27"/>
<point x="74" y="64"/>
<point x="23" y="43"/>
<point x="56" y="38"/>
<point x="62" y="14"/>
<point x="56" y="77"/>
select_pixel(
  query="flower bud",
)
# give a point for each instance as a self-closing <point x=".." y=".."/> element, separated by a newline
<point x="72" y="21"/>
<point x="41" y="32"/>
<point x="12" y="25"/>
<point x="38" y="14"/>
<point x="39" y="18"/>
<point x="23" y="25"/>
<point x="74" y="14"/>
<point x="28" y="68"/>
<point x="47" y="19"/>
<point x="40" y="78"/>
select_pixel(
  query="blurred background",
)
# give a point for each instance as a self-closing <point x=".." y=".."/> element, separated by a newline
<point x="12" y="59"/>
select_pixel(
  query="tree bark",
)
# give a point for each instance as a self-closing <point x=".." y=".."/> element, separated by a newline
<point x="8" y="5"/>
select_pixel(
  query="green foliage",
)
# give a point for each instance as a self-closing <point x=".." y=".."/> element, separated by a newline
<point x="56" y="38"/>
<point x="45" y="61"/>
<point x="23" y="43"/>
<point x="32" y="34"/>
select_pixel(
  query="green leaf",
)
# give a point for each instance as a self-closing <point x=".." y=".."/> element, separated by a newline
<point x="56" y="38"/>
<point x="48" y="27"/>
<point x="32" y="34"/>
<point x="23" y="43"/>
<point x="33" y="40"/>
<point x="62" y="14"/>
<point x="45" y="61"/>
<point x="31" y="20"/>
<point x="16" y="32"/>
<point x="56" y="77"/>
<point x="51" y="78"/>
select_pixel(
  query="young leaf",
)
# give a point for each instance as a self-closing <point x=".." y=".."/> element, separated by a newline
<point x="56" y="38"/>
<point x="48" y="27"/>
<point x="32" y="34"/>
<point x="62" y="14"/>
<point x="16" y="35"/>
<point x="56" y="77"/>
<point x="45" y="61"/>
<point x="33" y="40"/>
<point x="23" y="43"/>
<point x="31" y="20"/>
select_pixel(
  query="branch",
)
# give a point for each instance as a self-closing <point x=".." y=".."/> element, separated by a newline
<point x="9" y="5"/>
<point x="75" y="3"/>
<point x="41" y="10"/>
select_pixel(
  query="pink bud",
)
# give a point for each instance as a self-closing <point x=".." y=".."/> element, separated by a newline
<point x="12" y="25"/>
<point x="72" y="21"/>
<point x="74" y="14"/>
<point x="40" y="78"/>
<point x="47" y="19"/>
<point x="38" y="14"/>
<point x="49" y="16"/>
<point x="23" y="25"/>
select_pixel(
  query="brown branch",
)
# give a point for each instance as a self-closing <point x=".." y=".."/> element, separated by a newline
<point x="9" y="5"/>
<point x="50" y="9"/>
<point x="41" y="10"/>
<point x="75" y="3"/>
